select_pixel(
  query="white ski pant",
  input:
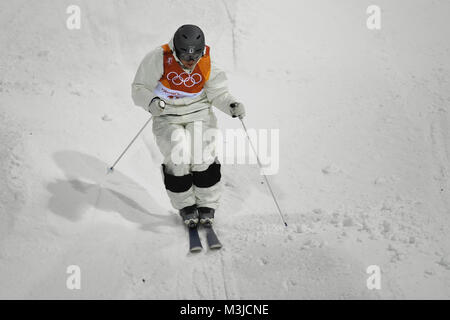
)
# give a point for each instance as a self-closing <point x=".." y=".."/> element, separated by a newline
<point x="190" y="169"/>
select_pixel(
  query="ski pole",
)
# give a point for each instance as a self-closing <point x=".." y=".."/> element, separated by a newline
<point x="110" y="169"/>
<point x="265" y="177"/>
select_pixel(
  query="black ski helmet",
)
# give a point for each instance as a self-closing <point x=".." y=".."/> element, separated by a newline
<point x="189" y="42"/>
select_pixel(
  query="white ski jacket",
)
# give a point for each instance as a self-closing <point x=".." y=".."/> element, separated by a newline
<point x="215" y="91"/>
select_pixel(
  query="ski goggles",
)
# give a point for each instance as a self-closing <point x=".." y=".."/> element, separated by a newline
<point x="190" y="56"/>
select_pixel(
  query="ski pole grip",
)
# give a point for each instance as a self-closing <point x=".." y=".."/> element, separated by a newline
<point x="232" y="106"/>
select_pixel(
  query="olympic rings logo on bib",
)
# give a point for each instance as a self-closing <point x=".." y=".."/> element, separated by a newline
<point x="189" y="80"/>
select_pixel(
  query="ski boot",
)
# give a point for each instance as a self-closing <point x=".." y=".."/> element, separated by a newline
<point x="206" y="216"/>
<point x="190" y="216"/>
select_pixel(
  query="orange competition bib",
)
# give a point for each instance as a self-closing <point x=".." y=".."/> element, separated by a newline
<point x="176" y="83"/>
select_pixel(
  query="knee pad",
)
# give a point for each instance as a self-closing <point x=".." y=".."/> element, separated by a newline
<point x="207" y="178"/>
<point x="177" y="183"/>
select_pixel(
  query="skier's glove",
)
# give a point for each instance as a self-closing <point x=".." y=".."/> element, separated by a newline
<point x="156" y="106"/>
<point x="237" y="110"/>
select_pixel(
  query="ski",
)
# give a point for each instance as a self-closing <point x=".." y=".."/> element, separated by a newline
<point x="212" y="239"/>
<point x="195" y="245"/>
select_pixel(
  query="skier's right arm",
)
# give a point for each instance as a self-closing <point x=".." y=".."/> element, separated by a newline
<point x="147" y="76"/>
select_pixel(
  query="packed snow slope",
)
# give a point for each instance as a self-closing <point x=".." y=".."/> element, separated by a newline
<point x="364" y="152"/>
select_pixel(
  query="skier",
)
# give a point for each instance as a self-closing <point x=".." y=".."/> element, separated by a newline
<point x="178" y="84"/>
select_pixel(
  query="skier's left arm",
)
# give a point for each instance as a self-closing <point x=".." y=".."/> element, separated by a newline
<point x="217" y="92"/>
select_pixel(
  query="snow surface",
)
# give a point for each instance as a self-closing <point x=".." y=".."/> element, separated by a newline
<point x="364" y="152"/>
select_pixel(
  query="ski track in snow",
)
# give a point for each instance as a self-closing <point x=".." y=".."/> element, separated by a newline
<point x="363" y="158"/>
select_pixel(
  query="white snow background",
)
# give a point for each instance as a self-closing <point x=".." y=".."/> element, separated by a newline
<point x="364" y="152"/>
